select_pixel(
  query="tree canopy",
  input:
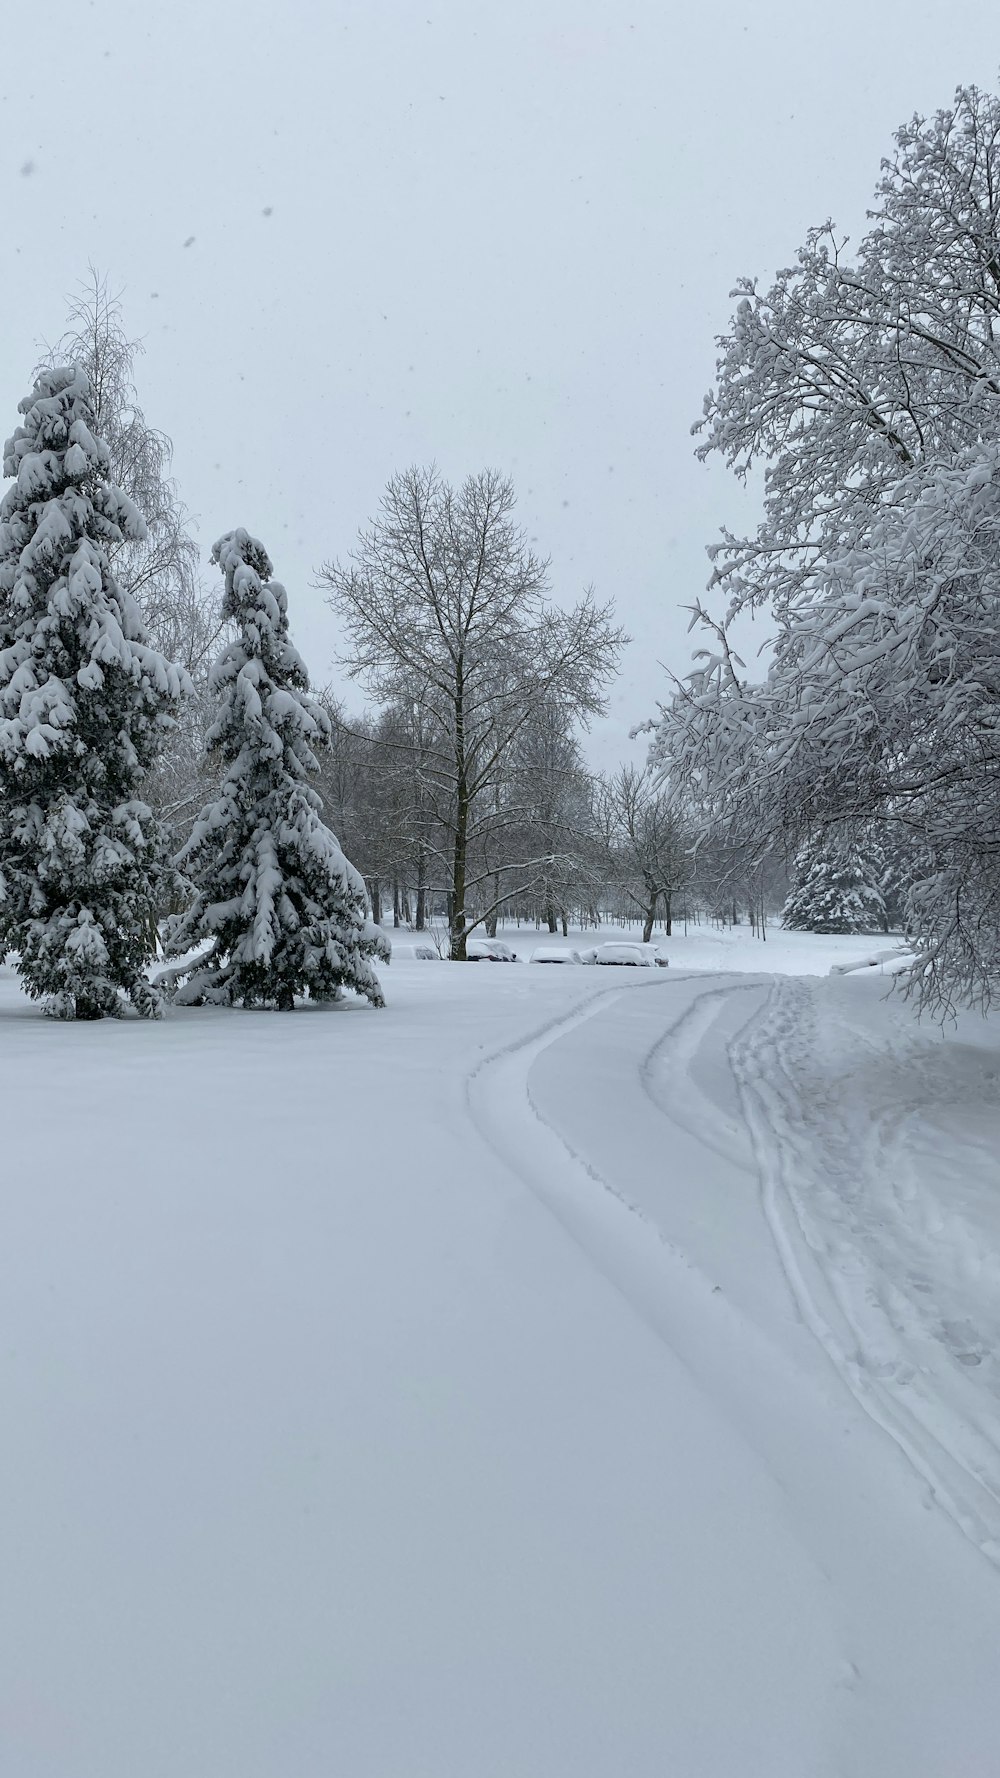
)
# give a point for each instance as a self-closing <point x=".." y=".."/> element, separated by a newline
<point x="869" y="387"/>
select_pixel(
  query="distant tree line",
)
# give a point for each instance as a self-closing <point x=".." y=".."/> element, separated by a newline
<point x="169" y="779"/>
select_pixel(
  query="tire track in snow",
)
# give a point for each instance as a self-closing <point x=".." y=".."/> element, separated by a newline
<point x="741" y="1382"/>
<point x="670" y="1062"/>
<point x="631" y="1251"/>
<point x="505" y="1114"/>
<point x="904" y="1678"/>
<point x="722" y="1348"/>
<point x="787" y="1162"/>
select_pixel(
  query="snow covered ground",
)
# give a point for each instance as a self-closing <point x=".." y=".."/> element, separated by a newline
<point x="564" y="1373"/>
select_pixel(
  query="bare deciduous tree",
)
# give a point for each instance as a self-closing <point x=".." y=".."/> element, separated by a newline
<point x="648" y="847"/>
<point x="445" y="606"/>
<point x="552" y="793"/>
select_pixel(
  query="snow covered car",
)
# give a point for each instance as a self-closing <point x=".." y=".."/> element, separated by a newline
<point x="489" y="950"/>
<point x="554" y="954"/>
<point x="634" y="954"/>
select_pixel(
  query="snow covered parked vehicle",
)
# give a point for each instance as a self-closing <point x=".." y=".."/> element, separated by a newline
<point x="633" y="954"/>
<point x="554" y="954"/>
<point x="489" y="950"/>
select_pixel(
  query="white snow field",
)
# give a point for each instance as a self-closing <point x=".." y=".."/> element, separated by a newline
<point x="564" y="1373"/>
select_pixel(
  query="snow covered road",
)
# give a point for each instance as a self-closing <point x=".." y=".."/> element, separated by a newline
<point x="433" y="1394"/>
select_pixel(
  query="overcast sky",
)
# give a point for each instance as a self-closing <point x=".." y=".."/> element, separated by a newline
<point x="359" y="234"/>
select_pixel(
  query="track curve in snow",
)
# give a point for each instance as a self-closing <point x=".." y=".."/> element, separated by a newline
<point x="827" y="1173"/>
<point x="637" y="1120"/>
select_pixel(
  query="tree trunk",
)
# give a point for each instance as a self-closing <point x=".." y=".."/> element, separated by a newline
<point x="421" y="919"/>
<point x="565" y="926"/>
<point x="647" y="931"/>
<point x="375" y="891"/>
<point x="667" y="913"/>
<point x="492" y="921"/>
<point x="397" y="912"/>
<point x="459" y="856"/>
<point x="462" y="812"/>
<point x="550" y="917"/>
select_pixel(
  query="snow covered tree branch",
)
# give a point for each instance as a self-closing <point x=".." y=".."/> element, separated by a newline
<point x="872" y="394"/>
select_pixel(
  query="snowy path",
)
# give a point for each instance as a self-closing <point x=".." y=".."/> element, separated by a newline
<point x="897" y="1280"/>
<point x="441" y="1409"/>
<point x="663" y="1198"/>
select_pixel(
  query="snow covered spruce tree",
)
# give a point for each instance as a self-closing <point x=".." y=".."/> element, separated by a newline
<point x="84" y="703"/>
<point x="283" y="911"/>
<point x="832" y="893"/>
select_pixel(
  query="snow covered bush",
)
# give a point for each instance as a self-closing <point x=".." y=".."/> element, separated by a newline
<point x="832" y="893"/>
<point x="281" y="909"/>
<point x="871" y="392"/>
<point x="84" y="704"/>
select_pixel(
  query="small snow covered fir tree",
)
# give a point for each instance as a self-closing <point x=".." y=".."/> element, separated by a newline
<point x="84" y="703"/>
<point x="832" y="893"/>
<point x="283" y="911"/>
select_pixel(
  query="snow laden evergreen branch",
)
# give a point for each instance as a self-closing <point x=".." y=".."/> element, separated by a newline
<point x="161" y="568"/>
<point x="833" y="890"/>
<point x="84" y="705"/>
<point x="278" y="906"/>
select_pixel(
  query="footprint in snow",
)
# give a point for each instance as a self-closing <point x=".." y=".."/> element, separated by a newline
<point x="892" y="1370"/>
<point x="963" y="1342"/>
